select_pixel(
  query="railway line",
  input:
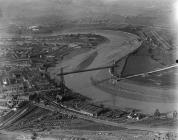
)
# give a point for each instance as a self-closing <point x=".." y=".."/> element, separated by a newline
<point x="80" y="115"/>
<point x="165" y="45"/>
<point x="13" y="118"/>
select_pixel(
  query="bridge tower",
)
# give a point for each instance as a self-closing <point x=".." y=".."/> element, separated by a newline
<point x="62" y="82"/>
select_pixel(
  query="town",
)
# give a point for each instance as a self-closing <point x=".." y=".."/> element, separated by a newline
<point x="32" y="101"/>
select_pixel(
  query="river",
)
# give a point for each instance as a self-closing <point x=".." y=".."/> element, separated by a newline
<point x="120" y="45"/>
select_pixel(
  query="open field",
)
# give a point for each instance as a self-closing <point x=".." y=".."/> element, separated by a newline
<point x="143" y="60"/>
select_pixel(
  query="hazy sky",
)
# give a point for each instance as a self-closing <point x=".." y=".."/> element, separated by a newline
<point x="80" y="8"/>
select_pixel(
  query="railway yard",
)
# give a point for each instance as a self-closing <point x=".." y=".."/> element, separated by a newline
<point x="32" y="101"/>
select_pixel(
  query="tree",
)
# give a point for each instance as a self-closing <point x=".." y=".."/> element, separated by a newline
<point x="157" y="113"/>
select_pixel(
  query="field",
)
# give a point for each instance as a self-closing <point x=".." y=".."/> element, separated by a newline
<point x="146" y="59"/>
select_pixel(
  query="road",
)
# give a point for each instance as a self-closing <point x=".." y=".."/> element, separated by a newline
<point x="120" y="45"/>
